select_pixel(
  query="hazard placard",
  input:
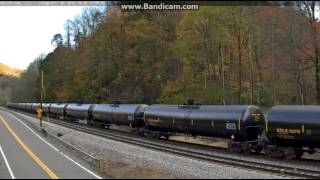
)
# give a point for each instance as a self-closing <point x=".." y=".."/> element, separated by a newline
<point x="39" y="115"/>
<point x="39" y="112"/>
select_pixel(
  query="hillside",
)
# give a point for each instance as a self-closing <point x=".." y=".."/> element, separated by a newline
<point x="9" y="71"/>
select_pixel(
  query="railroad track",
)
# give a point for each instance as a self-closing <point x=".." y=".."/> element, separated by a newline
<point x="205" y="157"/>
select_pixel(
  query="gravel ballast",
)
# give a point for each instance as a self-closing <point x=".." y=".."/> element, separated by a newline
<point x="129" y="161"/>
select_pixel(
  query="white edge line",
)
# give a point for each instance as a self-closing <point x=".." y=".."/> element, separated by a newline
<point x="54" y="148"/>
<point x="98" y="177"/>
<point x="7" y="164"/>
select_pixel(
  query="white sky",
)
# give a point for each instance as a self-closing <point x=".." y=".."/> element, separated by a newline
<point x="27" y="31"/>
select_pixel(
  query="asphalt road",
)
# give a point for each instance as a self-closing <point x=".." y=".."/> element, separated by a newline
<point x="31" y="157"/>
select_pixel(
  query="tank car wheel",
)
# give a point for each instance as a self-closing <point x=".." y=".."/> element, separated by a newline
<point x="234" y="148"/>
<point x="246" y="149"/>
<point x="267" y="151"/>
<point x="273" y="152"/>
<point x="167" y="137"/>
<point x="311" y="151"/>
<point x="89" y="123"/>
<point x="288" y="154"/>
<point x="140" y="132"/>
<point x="258" y="150"/>
<point x="156" y="135"/>
<point x="149" y="135"/>
<point x="298" y="154"/>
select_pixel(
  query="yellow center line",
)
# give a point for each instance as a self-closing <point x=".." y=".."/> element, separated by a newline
<point x="30" y="153"/>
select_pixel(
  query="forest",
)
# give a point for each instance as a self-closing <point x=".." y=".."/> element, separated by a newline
<point x="262" y="55"/>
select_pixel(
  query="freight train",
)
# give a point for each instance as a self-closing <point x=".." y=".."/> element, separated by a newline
<point x="286" y="131"/>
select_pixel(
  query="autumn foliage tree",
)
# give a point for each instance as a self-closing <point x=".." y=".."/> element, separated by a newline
<point x="262" y="55"/>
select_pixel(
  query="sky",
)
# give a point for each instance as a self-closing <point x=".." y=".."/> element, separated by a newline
<point x="26" y="31"/>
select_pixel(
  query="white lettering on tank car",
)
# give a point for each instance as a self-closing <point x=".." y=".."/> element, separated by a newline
<point x="231" y="126"/>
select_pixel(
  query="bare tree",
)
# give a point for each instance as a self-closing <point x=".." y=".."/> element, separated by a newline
<point x="68" y="32"/>
<point x="308" y="9"/>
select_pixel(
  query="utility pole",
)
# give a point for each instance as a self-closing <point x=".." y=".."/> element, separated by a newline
<point x="205" y="80"/>
<point x="41" y="98"/>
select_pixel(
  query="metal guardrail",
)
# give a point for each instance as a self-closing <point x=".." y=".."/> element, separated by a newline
<point x="94" y="161"/>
